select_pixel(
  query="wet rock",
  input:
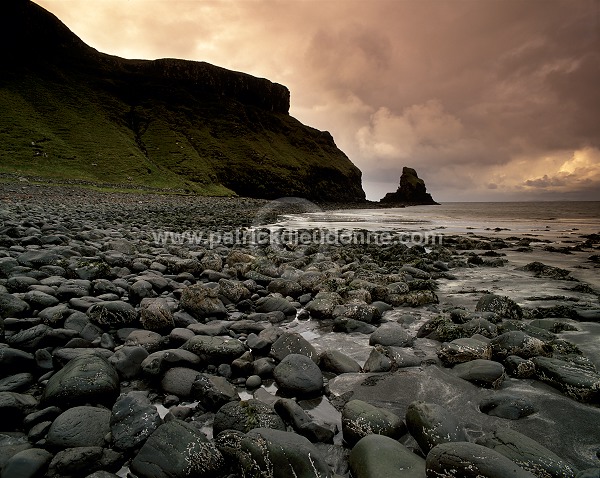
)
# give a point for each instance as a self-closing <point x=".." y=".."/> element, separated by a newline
<point x="295" y="415"/>
<point x="480" y="326"/>
<point x="392" y="334"/>
<point x="79" y="426"/>
<point x="415" y="298"/>
<point x="441" y="329"/>
<point x="540" y="269"/>
<point x="112" y="313"/>
<point x="274" y="453"/>
<point x="518" y="343"/>
<point x="234" y="291"/>
<point x="36" y="259"/>
<point x="85" y="379"/>
<point x="344" y="324"/>
<point x="552" y="325"/>
<point x="212" y="391"/>
<point x="16" y="383"/>
<point x="29" y="463"/>
<point x="502" y="306"/>
<point x="360" y="419"/>
<point x="177" y="450"/>
<point x="40" y="300"/>
<point x="337" y="362"/>
<point x="507" y="406"/>
<point x="13" y="407"/>
<point x="15" y="360"/>
<point x="74" y="288"/>
<point x="46" y="414"/>
<point x="517" y="325"/>
<point x="77" y="461"/>
<point x="464" y="350"/>
<point x="519" y="367"/>
<point x="149" y="340"/>
<point x="292" y="343"/>
<point x="324" y="305"/>
<point x="378" y="360"/>
<point x="285" y="287"/>
<point x="573" y="380"/>
<point x="140" y="290"/>
<point x="264" y="366"/>
<point x="273" y="303"/>
<point x="178" y="381"/>
<point x="589" y="473"/>
<point x="246" y="415"/>
<point x="201" y="301"/>
<point x="158" y="362"/>
<point x="214" y="328"/>
<point x="253" y="382"/>
<point x="431" y="424"/>
<point x="61" y="357"/>
<point x="298" y="375"/>
<point x="215" y="350"/>
<point x="527" y="453"/>
<point x="133" y="419"/>
<point x="485" y="373"/>
<point x="127" y="361"/>
<point x="367" y="313"/>
<point x="11" y="306"/>
<point x="155" y="314"/>
<point x="12" y="443"/>
<point x="380" y="456"/>
<point x="469" y="460"/>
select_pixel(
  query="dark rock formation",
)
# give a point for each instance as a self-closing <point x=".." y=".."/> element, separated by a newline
<point x="164" y="124"/>
<point x="411" y="192"/>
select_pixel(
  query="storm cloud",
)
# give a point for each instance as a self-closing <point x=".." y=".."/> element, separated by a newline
<point x="494" y="100"/>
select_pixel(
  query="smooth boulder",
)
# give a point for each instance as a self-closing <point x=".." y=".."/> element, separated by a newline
<point x="378" y="456"/>
<point x="297" y="375"/>
<point x="431" y="424"/>
<point x="177" y="450"/>
<point x="527" y="453"/>
<point x="360" y="419"/>
<point x="469" y="460"/>
<point x="85" y="379"/>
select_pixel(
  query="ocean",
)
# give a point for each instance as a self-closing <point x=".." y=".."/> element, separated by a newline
<point x="547" y="219"/>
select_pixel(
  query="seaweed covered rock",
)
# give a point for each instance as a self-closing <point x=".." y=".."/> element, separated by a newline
<point x="503" y="306"/>
<point x="246" y="415"/>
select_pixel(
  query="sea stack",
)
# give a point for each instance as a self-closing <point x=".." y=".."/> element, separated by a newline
<point x="411" y="192"/>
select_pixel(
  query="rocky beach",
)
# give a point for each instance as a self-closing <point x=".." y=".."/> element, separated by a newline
<point x="129" y="351"/>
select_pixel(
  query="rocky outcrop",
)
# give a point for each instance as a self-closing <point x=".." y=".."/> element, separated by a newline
<point x="411" y="192"/>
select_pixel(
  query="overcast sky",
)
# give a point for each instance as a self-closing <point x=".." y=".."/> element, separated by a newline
<point x="486" y="99"/>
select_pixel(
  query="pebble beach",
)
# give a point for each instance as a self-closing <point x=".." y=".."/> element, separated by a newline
<point x="127" y="350"/>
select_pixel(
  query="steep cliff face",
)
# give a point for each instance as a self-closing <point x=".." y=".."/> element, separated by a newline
<point x="75" y="113"/>
<point x="411" y="192"/>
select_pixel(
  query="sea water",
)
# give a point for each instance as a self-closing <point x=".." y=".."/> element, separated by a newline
<point x="509" y="218"/>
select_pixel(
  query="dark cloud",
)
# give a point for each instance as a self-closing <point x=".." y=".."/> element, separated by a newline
<point x="499" y="98"/>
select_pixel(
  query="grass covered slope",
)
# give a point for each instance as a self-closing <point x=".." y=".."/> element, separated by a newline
<point x="72" y="113"/>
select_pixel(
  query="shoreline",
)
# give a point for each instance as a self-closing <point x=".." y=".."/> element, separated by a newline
<point x="188" y="332"/>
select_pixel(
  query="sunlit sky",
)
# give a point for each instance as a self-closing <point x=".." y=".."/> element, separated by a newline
<point x="487" y="100"/>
